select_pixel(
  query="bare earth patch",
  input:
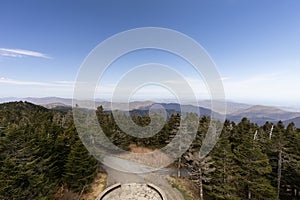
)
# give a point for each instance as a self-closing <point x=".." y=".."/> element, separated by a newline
<point x="146" y="156"/>
<point x="137" y="149"/>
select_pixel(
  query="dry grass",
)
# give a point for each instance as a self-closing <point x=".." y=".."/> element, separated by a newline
<point x="135" y="149"/>
<point x="185" y="186"/>
<point x="147" y="156"/>
<point x="98" y="185"/>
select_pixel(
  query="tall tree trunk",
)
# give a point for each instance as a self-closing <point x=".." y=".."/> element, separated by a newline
<point x="179" y="160"/>
<point x="178" y="167"/>
<point x="271" y="132"/>
<point x="224" y="168"/>
<point x="200" y="185"/>
<point x="279" y="172"/>
<point x="81" y="192"/>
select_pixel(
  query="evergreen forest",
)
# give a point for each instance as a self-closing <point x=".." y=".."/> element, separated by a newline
<point x="40" y="152"/>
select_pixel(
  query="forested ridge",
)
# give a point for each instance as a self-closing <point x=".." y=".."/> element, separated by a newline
<point x="40" y="152"/>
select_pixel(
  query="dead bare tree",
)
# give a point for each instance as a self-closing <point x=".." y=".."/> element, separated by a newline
<point x="255" y="135"/>
<point x="271" y="132"/>
<point x="199" y="170"/>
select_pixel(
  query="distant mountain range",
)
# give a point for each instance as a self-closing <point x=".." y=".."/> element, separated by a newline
<point x="52" y="102"/>
<point x="235" y="111"/>
<point x="260" y="114"/>
<point x="296" y="121"/>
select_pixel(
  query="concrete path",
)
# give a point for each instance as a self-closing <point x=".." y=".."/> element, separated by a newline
<point x="126" y="171"/>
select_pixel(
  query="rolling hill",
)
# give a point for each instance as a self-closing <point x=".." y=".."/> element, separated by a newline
<point x="235" y="111"/>
<point x="296" y="121"/>
<point x="260" y="114"/>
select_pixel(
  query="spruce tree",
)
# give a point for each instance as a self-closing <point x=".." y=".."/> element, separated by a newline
<point x="252" y="165"/>
<point x="291" y="167"/>
<point x="80" y="168"/>
<point x="286" y="152"/>
<point x="223" y="182"/>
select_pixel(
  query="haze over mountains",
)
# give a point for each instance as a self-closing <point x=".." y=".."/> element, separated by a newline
<point x="235" y="111"/>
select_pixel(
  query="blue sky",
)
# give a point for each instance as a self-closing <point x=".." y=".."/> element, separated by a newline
<point x="255" y="44"/>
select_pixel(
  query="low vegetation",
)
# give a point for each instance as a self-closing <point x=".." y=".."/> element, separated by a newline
<point x="185" y="187"/>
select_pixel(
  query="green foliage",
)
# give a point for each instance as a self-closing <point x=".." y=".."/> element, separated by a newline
<point x="245" y="158"/>
<point x="40" y="151"/>
<point x="223" y="183"/>
<point x="36" y="145"/>
<point x="283" y="152"/>
<point x="80" y="168"/>
<point x="184" y="193"/>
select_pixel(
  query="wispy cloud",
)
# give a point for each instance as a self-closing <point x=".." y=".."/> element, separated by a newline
<point x="19" y="53"/>
<point x="277" y="88"/>
<point x="224" y="78"/>
<point x="4" y="80"/>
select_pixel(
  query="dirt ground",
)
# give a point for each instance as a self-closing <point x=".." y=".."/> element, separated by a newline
<point x="147" y="156"/>
<point x="136" y="149"/>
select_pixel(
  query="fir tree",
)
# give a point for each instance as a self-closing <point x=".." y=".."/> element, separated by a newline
<point x="223" y="184"/>
<point x="80" y="168"/>
<point x="252" y="165"/>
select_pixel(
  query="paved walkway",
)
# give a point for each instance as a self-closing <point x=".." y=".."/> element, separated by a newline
<point x="142" y="176"/>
